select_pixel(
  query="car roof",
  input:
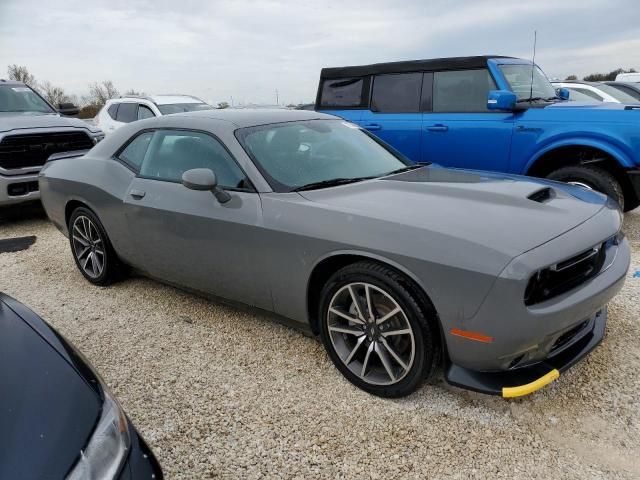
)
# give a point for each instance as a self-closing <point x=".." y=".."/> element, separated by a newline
<point x="252" y="117"/>
<point x="12" y="82"/>
<point x="448" y="63"/>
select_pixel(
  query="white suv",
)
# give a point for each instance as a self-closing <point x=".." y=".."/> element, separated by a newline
<point x="118" y="111"/>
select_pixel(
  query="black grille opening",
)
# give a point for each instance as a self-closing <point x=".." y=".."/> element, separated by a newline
<point x="22" y="188"/>
<point x="564" y="276"/>
<point x="32" y="150"/>
<point x="567" y="336"/>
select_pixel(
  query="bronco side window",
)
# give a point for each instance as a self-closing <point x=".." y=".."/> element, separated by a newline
<point x="396" y="93"/>
<point x="462" y="90"/>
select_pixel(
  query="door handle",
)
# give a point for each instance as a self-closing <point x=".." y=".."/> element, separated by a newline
<point x="137" y="194"/>
<point x="373" y="126"/>
<point x="437" y="128"/>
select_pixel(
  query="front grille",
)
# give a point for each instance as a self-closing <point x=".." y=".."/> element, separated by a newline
<point x="566" y="275"/>
<point x="32" y="150"/>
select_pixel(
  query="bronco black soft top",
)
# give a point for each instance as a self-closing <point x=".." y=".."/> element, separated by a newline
<point x="450" y="63"/>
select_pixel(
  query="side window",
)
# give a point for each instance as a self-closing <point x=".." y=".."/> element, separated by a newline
<point x="127" y="112"/>
<point x="113" y="110"/>
<point x="144" y="112"/>
<point x="399" y="92"/>
<point x="588" y="93"/>
<point x="173" y="152"/>
<point x="462" y="90"/>
<point x="343" y="92"/>
<point x="134" y="153"/>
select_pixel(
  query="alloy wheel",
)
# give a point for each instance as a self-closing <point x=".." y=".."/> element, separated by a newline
<point x="88" y="246"/>
<point x="371" y="333"/>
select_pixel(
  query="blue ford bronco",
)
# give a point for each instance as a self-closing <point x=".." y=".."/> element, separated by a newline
<point x="491" y="113"/>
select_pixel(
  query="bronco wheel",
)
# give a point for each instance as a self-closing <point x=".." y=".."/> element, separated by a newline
<point x="375" y="330"/>
<point x="91" y="249"/>
<point x="593" y="178"/>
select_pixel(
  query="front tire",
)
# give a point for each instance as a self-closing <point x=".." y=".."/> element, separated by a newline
<point x="591" y="177"/>
<point x="376" y="330"/>
<point x="91" y="248"/>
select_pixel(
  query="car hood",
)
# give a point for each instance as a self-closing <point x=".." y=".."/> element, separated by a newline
<point x="590" y="106"/>
<point x="27" y="120"/>
<point x="509" y="213"/>
<point x="48" y="401"/>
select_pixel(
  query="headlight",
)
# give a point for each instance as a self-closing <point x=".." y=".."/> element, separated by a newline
<point x="97" y="139"/>
<point x="108" y="445"/>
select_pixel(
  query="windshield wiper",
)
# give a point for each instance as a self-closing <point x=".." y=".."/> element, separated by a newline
<point x="530" y="99"/>
<point x="330" y="183"/>
<point x="408" y="168"/>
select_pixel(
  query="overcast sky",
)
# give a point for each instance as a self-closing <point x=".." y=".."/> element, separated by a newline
<point x="247" y="49"/>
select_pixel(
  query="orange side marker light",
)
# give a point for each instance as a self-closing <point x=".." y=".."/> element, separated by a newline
<point x="478" y="337"/>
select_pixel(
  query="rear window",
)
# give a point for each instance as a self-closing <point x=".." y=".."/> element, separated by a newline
<point x="127" y="112"/>
<point x="461" y="90"/>
<point x="342" y="92"/>
<point x="396" y="92"/>
<point x="134" y="153"/>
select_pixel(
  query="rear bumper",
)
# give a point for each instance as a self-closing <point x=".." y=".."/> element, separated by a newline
<point x="18" y="188"/>
<point x="522" y="381"/>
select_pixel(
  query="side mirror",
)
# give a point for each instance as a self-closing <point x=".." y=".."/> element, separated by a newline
<point x="563" y="93"/>
<point x="501" y="100"/>
<point x="203" y="179"/>
<point x="68" y="109"/>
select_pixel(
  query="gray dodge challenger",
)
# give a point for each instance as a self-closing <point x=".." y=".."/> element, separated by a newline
<point x="398" y="267"/>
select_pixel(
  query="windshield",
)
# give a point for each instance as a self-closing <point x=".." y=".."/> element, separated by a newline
<point x="20" y="98"/>
<point x="519" y="79"/>
<point x="294" y="154"/>
<point x="170" y="108"/>
<point x="619" y="95"/>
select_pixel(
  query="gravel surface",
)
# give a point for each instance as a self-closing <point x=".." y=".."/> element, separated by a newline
<point x="222" y="393"/>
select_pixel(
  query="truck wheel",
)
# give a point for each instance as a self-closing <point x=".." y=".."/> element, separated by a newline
<point x="591" y="177"/>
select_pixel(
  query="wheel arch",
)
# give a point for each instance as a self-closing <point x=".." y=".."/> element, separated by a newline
<point x="568" y="152"/>
<point x="330" y="263"/>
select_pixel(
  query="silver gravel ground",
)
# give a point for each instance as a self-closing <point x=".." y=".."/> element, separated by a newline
<point x="222" y="393"/>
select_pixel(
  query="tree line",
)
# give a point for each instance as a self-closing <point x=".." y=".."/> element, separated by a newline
<point x="602" y="77"/>
<point x="90" y="105"/>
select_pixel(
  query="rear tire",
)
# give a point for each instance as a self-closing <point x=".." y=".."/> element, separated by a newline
<point x="594" y="178"/>
<point x="384" y="353"/>
<point x="91" y="248"/>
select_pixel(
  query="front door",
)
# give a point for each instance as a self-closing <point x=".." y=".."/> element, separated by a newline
<point x="187" y="237"/>
<point x="459" y="130"/>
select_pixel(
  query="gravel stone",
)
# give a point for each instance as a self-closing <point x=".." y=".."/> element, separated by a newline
<point x="222" y="393"/>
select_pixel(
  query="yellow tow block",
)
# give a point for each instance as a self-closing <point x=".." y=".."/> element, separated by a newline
<point x="519" y="391"/>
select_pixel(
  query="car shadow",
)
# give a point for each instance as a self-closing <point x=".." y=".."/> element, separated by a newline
<point x="21" y="212"/>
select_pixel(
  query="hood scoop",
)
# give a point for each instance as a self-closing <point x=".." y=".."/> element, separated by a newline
<point x="543" y="195"/>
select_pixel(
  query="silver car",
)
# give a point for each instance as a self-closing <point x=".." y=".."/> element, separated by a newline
<point x="398" y="267"/>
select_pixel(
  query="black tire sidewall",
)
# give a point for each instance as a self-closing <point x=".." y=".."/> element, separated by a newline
<point x="600" y="180"/>
<point x="107" y="275"/>
<point x="423" y="333"/>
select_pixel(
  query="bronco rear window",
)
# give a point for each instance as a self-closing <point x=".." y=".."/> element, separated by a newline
<point x="342" y="92"/>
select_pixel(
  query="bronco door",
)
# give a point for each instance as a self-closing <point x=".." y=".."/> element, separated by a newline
<point x="457" y="128"/>
<point x="394" y="113"/>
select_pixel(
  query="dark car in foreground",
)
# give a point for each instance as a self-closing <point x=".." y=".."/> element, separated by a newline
<point x="58" y="419"/>
<point x="394" y="265"/>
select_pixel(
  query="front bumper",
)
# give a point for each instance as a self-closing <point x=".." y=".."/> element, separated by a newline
<point x="522" y="381"/>
<point x="141" y="463"/>
<point x="18" y="188"/>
